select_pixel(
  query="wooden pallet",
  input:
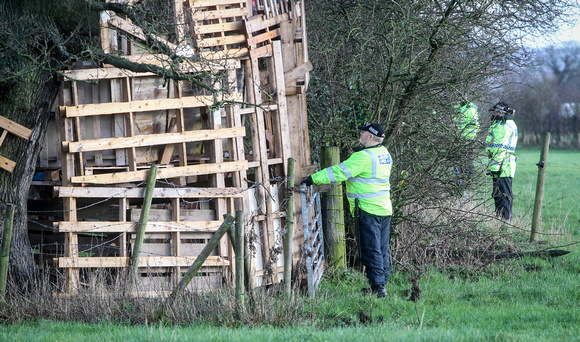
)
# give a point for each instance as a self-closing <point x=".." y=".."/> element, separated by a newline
<point x="218" y="27"/>
<point x="174" y="236"/>
<point x="261" y="30"/>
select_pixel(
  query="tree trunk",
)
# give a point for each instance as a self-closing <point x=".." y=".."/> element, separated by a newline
<point x="27" y="100"/>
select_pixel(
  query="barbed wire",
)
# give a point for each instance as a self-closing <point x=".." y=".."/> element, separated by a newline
<point x="90" y="205"/>
<point x="180" y="226"/>
<point x="176" y="226"/>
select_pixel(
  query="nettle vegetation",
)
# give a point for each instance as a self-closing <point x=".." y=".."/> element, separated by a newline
<point x="402" y="64"/>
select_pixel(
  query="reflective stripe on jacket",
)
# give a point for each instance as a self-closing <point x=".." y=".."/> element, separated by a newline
<point x="501" y="142"/>
<point x="467" y="121"/>
<point x="366" y="174"/>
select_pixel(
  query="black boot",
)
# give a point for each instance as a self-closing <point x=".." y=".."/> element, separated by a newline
<point x="380" y="291"/>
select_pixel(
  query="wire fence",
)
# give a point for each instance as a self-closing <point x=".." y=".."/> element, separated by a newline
<point x="121" y="229"/>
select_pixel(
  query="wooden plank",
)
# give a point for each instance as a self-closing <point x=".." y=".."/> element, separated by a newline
<point x="78" y="128"/>
<point x="105" y="31"/>
<point x="15" y="128"/>
<point x="3" y="137"/>
<point x="274" y="7"/>
<point x="219" y="14"/>
<point x="153" y="139"/>
<point x="259" y="23"/>
<point x="263" y="37"/>
<point x="123" y="248"/>
<point x="167" y="215"/>
<point x="130" y="125"/>
<point x="71" y="245"/>
<point x="304" y="43"/>
<point x="263" y="51"/>
<point x="221" y="27"/>
<point x="176" y="239"/>
<point x="131" y="227"/>
<point x="7" y="164"/>
<point x="168" y="149"/>
<point x="118" y="121"/>
<point x="163" y="261"/>
<point x="226" y="40"/>
<point x="146" y="105"/>
<point x="179" y="15"/>
<point x="181" y="148"/>
<point x="97" y="132"/>
<point x="228" y="54"/>
<point x="236" y="147"/>
<point x="216" y="155"/>
<point x="297" y="72"/>
<point x="136" y="31"/>
<point x="106" y="192"/>
<point x="102" y="74"/>
<point x="194" y="4"/>
<point x="262" y="176"/>
<point x="283" y="129"/>
<point x="136" y="176"/>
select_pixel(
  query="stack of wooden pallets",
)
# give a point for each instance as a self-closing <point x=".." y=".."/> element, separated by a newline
<point x="212" y="160"/>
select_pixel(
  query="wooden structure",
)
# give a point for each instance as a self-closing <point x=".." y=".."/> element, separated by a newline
<point x="216" y="153"/>
<point x="9" y="126"/>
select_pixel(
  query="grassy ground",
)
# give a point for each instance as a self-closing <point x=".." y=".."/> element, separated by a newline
<point x="528" y="299"/>
<point x="561" y="205"/>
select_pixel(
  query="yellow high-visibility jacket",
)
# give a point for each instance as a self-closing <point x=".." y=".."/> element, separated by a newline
<point x="366" y="174"/>
<point x="501" y="142"/>
<point x="467" y="120"/>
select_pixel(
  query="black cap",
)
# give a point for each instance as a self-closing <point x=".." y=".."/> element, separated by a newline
<point x="374" y="128"/>
<point x="501" y="107"/>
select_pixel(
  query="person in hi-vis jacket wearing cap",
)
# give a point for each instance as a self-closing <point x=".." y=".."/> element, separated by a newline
<point x="366" y="174"/>
<point x="501" y="142"/>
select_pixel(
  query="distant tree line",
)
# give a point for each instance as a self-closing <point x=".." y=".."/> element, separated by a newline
<point x="547" y="97"/>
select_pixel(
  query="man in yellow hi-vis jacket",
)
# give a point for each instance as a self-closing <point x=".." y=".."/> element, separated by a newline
<point x="501" y="142"/>
<point x="366" y="174"/>
<point x="467" y="119"/>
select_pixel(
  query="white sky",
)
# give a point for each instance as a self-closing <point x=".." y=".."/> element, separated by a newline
<point x="566" y="33"/>
<point x="569" y="33"/>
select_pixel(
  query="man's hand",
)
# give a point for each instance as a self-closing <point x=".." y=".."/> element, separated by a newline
<point x="307" y="181"/>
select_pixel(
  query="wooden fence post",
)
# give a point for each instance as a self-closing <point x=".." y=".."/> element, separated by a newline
<point x="5" y="252"/>
<point x="537" y="217"/>
<point x="333" y="213"/>
<point x="143" y="223"/>
<point x="289" y="228"/>
<point x="249" y="277"/>
<point x="239" y="251"/>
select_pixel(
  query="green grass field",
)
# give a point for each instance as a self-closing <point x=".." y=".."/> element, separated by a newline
<point x="527" y="299"/>
<point x="561" y="205"/>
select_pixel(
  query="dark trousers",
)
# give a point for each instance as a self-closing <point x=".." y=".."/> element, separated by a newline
<point x="373" y="242"/>
<point x="503" y="196"/>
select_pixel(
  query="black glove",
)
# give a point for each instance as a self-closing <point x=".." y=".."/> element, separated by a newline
<point x="307" y="181"/>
